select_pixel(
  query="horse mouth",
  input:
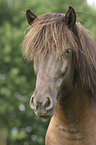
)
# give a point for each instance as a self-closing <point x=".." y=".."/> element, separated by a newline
<point x="44" y="116"/>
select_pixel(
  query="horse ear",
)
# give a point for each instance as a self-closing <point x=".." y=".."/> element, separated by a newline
<point x="30" y="16"/>
<point x="70" y="17"/>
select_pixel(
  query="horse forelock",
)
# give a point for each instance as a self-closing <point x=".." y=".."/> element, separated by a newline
<point x="49" y="33"/>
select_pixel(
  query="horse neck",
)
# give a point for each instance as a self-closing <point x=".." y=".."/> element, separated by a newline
<point x="74" y="116"/>
<point x="75" y="106"/>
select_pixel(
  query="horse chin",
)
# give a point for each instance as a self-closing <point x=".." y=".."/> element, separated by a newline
<point x="45" y="115"/>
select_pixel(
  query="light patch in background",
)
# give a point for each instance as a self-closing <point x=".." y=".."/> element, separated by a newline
<point x="91" y="3"/>
<point x="21" y="107"/>
<point x="14" y="131"/>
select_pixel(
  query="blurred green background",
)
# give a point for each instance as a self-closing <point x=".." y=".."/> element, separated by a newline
<point x="18" y="123"/>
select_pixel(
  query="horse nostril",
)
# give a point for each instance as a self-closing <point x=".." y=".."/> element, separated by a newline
<point x="48" y="104"/>
<point x="32" y="102"/>
<point x="32" y="99"/>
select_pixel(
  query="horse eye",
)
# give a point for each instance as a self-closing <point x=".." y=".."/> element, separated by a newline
<point x="68" y="51"/>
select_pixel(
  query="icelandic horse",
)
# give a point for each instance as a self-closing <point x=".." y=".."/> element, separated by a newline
<point x="64" y="56"/>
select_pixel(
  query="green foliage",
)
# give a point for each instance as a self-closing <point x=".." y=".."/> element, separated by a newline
<point x="17" y="80"/>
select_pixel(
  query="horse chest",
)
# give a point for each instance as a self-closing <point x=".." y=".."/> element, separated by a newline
<point x="59" y="139"/>
<point x="57" y="136"/>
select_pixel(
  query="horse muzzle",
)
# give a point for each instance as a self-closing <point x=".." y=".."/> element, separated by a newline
<point x="42" y="106"/>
